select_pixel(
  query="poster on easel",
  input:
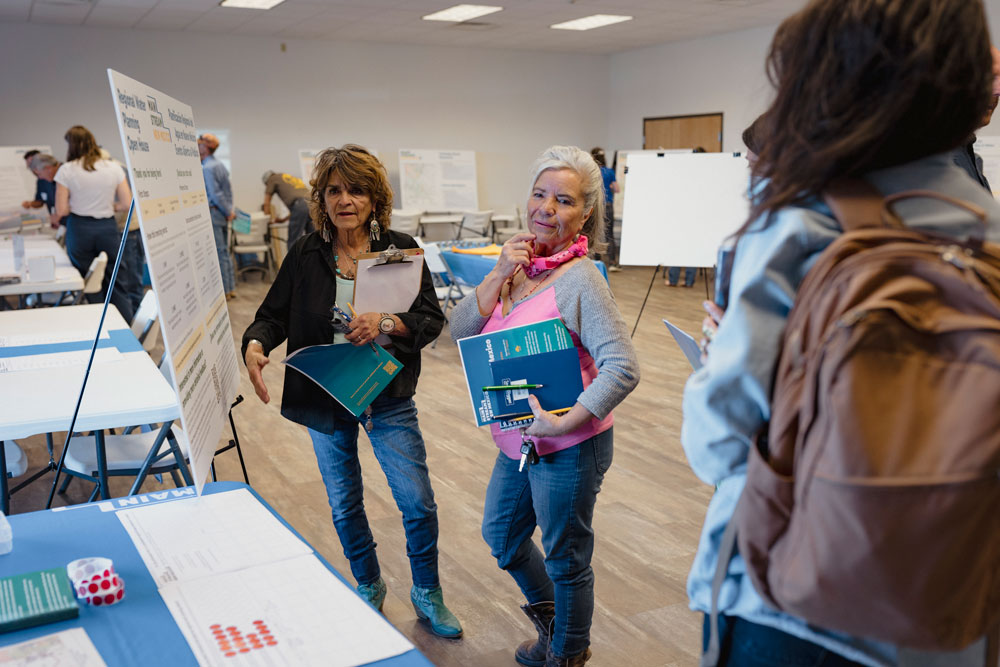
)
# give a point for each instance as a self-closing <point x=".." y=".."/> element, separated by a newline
<point x="438" y="181"/>
<point x="680" y="207"/>
<point x="161" y="149"/>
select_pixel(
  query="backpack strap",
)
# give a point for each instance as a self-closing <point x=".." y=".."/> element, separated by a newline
<point x="727" y="547"/>
<point x="857" y="204"/>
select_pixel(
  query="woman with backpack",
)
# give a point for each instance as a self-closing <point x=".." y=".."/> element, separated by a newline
<point x="876" y="90"/>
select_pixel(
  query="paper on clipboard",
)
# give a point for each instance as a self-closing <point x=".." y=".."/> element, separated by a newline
<point x="687" y="344"/>
<point x="387" y="288"/>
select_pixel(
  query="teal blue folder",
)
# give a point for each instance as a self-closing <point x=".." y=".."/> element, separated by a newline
<point x="353" y="375"/>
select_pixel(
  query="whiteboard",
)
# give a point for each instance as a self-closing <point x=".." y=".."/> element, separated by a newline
<point x="438" y="180"/>
<point x="17" y="184"/>
<point x="621" y="169"/>
<point x="680" y="207"/>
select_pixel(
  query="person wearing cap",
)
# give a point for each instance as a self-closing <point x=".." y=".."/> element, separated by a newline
<point x="293" y="194"/>
<point x="220" y="206"/>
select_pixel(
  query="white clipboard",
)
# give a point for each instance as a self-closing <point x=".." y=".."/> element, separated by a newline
<point x="387" y="287"/>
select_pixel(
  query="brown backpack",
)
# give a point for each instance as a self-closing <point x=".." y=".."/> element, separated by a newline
<point x="872" y="506"/>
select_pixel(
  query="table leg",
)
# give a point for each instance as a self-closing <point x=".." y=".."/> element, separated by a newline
<point x="4" y="495"/>
<point x="150" y="458"/>
<point x="102" y="465"/>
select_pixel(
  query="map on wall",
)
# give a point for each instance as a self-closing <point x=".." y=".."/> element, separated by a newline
<point x="438" y="180"/>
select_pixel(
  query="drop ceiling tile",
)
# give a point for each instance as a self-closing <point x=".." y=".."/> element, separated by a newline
<point x="15" y="10"/>
<point x="108" y="16"/>
<point x="65" y="14"/>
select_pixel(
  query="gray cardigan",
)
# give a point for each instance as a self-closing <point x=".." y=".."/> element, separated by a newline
<point x="587" y="309"/>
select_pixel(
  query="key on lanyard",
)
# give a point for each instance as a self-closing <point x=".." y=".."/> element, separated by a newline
<point x="528" y="453"/>
<point x="369" y="426"/>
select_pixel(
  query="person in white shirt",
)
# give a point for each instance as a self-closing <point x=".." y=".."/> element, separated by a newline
<point x="88" y="190"/>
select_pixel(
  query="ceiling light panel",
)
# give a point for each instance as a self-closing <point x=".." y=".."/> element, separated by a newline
<point x="591" y="22"/>
<point x="461" y="13"/>
<point x="251" y="4"/>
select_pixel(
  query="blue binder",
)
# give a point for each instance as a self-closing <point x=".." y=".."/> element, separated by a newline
<point x="558" y="371"/>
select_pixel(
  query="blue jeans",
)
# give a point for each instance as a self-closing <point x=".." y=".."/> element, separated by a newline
<point x="298" y="220"/>
<point x="86" y="237"/>
<point x="219" y="227"/>
<point x="674" y="274"/>
<point x="558" y="495"/>
<point x="130" y="272"/>
<point x="746" y="644"/>
<point x="399" y="448"/>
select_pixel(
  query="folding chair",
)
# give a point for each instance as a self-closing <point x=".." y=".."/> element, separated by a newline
<point x="405" y="221"/>
<point x="445" y="284"/>
<point x="146" y="322"/>
<point x="253" y="243"/>
<point x="478" y="223"/>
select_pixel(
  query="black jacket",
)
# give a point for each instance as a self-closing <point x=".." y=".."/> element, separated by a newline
<point x="297" y="307"/>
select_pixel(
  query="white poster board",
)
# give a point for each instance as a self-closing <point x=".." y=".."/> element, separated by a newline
<point x="161" y="149"/>
<point x="438" y="180"/>
<point x="621" y="172"/>
<point x="679" y="207"/>
<point x="17" y="184"/>
<point x="307" y="160"/>
<point x="988" y="148"/>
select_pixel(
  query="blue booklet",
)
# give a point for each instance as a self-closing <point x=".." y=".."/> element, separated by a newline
<point x="353" y="375"/>
<point x="558" y="372"/>
<point x="478" y="353"/>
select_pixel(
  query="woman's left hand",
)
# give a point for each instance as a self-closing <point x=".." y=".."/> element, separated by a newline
<point x="546" y="424"/>
<point x="364" y="328"/>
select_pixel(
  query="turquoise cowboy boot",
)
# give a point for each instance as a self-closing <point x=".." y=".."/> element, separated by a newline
<point x="374" y="594"/>
<point x="429" y="605"/>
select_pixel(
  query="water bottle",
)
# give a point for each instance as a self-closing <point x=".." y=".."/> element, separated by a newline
<point x="6" y="536"/>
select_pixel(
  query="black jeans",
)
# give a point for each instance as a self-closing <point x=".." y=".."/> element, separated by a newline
<point x="746" y="644"/>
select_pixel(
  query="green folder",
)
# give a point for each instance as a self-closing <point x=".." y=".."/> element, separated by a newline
<point x="353" y="374"/>
<point x="35" y="598"/>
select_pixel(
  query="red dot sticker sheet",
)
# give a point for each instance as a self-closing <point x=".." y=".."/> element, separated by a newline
<point x="95" y="581"/>
<point x="292" y="612"/>
<point x="232" y="641"/>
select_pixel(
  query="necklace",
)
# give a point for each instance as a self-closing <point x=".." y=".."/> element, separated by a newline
<point x="510" y="284"/>
<point x="354" y="261"/>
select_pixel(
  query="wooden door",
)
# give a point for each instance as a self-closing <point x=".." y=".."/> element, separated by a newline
<point x="704" y="130"/>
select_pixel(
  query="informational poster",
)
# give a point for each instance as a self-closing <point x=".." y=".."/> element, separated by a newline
<point x="680" y="207"/>
<point x="438" y="180"/>
<point x="307" y="160"/>
<point x="161" y="149"/>
<point x="988" y="148"/>
<point x="17" y="184"/>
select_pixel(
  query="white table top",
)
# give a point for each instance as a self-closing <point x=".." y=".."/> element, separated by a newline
<point x="122" y="392"/>
<point x="67" y="278"/>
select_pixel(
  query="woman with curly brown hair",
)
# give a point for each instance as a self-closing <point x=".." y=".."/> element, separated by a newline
<point x="351" y="201"/>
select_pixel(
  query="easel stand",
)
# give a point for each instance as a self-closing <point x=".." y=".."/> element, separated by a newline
<point x="704" y="274"/>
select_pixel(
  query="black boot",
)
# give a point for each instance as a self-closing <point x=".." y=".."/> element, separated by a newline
<point x="532" y="653"/>
<point x="577" y="660"/>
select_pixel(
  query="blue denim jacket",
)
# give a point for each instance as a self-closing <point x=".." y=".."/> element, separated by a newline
<point x="727" y="401"/>
<point x="220" y="192"/>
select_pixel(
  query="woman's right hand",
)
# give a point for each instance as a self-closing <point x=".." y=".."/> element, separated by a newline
<point x="517" y="251"/>
<point x="256" y="360"/>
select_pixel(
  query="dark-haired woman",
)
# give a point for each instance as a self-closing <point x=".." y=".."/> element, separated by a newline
<point x="352" y="201"/>
<point x="89" y="189"/>
<point x="878" y="89"/>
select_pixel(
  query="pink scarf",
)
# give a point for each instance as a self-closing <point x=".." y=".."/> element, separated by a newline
<point x="540" y="265"/>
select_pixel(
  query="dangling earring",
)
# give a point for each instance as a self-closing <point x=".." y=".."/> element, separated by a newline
<point x="376" y="229"/>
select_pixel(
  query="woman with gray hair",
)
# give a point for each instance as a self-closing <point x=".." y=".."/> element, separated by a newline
<point x="541" y="274"/>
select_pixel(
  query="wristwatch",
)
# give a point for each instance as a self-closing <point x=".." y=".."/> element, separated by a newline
<point x="386" y="324"/>
<point x="254" y="340"/>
